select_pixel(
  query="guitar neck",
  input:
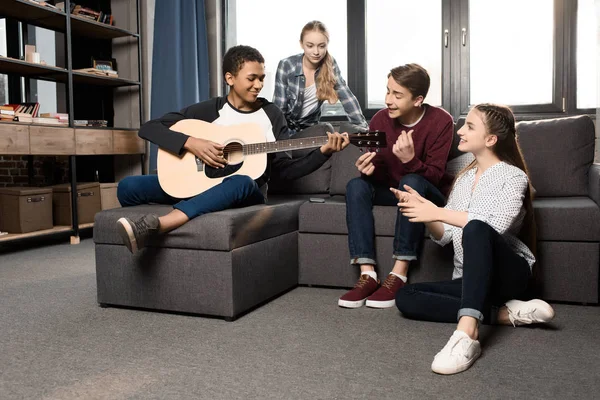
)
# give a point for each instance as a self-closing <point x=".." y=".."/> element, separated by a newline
<point x="284" y="145"/>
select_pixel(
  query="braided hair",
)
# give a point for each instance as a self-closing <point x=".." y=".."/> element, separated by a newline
<point x="499" y="120"/>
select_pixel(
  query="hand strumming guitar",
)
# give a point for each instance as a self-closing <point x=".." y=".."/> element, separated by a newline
<point x="365" y="163"/>
<point x="335" y="142"/>
<point x="209" y="152"/>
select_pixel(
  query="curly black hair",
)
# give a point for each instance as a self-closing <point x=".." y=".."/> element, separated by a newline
<point x="236" y="56"/>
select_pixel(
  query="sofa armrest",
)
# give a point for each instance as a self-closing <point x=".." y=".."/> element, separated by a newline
<point x="594" y="183"/>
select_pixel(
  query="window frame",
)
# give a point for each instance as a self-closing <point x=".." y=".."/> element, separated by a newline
<point x="456" y="58"/>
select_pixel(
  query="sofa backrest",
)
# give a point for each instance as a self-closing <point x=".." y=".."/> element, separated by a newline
<point x="558" y="153"/>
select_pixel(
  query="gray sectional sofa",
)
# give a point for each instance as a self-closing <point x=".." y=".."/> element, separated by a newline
<point x="227" y="263"/>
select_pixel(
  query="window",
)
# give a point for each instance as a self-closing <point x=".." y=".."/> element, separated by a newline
<point x="511" y="51"/>
<point x="393" y="40"/>
<point x="279" y="37"/>
<point x="588" y="48"/>
<point x="3" y="78"/>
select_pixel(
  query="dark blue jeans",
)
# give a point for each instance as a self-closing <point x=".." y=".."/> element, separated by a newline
<point x="362" y="195"/>
<point x="235" y="191"/>
<point x="492" y="274"/>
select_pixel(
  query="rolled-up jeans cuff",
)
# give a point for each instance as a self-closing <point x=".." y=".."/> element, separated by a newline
<point x="470" y="312"/>
<point x="404" y="257"/>
<point x="362" y="260"/>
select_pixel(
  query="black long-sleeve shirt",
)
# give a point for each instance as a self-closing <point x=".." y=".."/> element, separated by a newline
<point x="219" y="111"/>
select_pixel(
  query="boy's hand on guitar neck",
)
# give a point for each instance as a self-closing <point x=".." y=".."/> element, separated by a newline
<point x="209" y="152"/>
<point x="335" y="142"/>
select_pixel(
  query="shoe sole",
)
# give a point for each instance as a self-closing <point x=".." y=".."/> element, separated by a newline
<point x="351" y="304"/>
<point x="126" y="232"/>
<point x="381" y="304"/>
<point x="457" y="368"/>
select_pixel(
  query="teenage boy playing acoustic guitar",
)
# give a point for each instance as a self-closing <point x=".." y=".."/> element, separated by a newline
<point x="423" y="136"/>
<point x="244" y="72"/>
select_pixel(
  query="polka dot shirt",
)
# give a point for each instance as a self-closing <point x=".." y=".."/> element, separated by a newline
<point x="497" y="200"/>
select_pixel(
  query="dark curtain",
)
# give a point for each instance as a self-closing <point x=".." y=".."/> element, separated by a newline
<point x="180" y="75"/>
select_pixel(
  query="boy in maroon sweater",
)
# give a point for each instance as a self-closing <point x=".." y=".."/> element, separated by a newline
<point x="421" y="135"/>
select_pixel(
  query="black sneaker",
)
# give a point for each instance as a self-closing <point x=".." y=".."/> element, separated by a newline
<point x="135" y="233"/>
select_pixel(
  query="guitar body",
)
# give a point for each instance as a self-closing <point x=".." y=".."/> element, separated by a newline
<point x="186" y="176"/>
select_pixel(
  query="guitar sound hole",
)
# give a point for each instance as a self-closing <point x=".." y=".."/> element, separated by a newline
<point x="235" y="159"/>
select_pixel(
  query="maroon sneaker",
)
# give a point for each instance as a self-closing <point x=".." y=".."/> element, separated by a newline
<point x="385" y="296"/>
<point x="356" y="297"/>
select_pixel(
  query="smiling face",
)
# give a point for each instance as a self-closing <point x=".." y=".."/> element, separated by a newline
<point x="246" y="84"/>
<point x="399" y="100"/>
<point x="314" y="44"/>
<point x="474" y="137"/>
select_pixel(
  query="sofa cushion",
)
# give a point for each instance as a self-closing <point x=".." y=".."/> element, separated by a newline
<point x="223" y="230"/>
<point x="343" y="169"/>
<point x="558" y="153"/>
<point x="567" y="219"/>
<point x="315" y="182"/>
<point x="312" y="217"/>
<point x="557" y="219"/>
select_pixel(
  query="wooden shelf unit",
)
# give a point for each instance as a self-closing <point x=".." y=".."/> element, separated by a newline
<point x="37" y="139"/>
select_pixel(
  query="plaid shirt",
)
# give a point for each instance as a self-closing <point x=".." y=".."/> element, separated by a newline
<point x="289" y="95"/>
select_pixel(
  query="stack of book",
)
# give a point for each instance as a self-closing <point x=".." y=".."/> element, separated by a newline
<point x="23" y="112"/>
<point x="87" y="13"/>
<point x="100" y="72"/>
<point x="52" y="119"/>
<point x="97" y="123"/>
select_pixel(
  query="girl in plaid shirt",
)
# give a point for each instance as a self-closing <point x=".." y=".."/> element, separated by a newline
<point x="304" y="81"/>
<point x="489" y="220"/>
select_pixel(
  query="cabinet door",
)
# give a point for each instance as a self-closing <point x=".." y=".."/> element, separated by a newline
<point x="14" y="139"/>
<point x="53" y="141"/>
<point x="93" y="141"/>
<point x="127" y="142"/>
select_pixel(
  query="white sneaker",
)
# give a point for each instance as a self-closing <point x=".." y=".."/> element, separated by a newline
<point x="457" y="355"/>
<point x="529" y="312"/>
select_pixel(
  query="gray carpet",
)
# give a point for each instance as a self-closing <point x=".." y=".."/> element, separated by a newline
<point x="56" y="343"/>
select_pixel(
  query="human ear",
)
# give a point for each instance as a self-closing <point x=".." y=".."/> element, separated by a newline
<point x="419" y="101"/>
<point x="229" y="78"/>
<point x="491" y="140"/>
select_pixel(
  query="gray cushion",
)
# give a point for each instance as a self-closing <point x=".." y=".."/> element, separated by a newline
<point x="330" y="217"/>
<point x="315" y="182"/>
<point x="557" y="219"/>
<point x="567" y="219"/>
<point x="223" y="230"/>
<point x="558" y="153"/>
<point x="343" y="169"/>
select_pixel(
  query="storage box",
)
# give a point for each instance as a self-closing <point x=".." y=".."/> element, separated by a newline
<point x="25" y="209"/>
<point x="88" y="203"/>
<point x="108" y="196"/>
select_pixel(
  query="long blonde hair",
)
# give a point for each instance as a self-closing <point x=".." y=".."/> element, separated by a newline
<point x="326" y="79"/>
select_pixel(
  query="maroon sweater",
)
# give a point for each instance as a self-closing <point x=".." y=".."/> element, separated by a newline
<point x="432" y="137"/>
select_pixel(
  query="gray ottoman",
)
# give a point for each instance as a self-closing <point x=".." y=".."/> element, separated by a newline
<point x="221" y="264"/>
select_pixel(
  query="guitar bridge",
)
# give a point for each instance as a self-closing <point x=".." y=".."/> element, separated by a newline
<point x="199" y="164"/>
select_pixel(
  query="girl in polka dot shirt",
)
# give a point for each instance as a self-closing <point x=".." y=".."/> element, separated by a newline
<point x="489" y="220"/>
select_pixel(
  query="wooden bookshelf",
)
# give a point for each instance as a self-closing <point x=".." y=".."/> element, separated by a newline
<point x="87" y="96"/>
<point x="11" y="66"/>
<point x="91" y="79"/>
<point x="33" y="14"/>
<point x="85" y="27"/>
<point x="45" y="232"/>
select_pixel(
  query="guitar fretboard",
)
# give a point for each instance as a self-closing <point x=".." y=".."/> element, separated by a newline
<point x="284" y="145"/>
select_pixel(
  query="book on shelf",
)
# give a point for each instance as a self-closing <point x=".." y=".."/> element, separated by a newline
<point x="49" y="121"/>
<point x="99" y="72"/>
<point x="30" y="109"/>
<point x="97" y="123"/>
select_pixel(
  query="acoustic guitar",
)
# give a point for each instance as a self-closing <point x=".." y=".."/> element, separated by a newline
<point x="245" y="151"/>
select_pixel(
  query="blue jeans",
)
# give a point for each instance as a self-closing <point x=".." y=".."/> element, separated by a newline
<point x="361" y="196"/>
<point x="492" y="274"/>
<point x="234" y="192"/>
